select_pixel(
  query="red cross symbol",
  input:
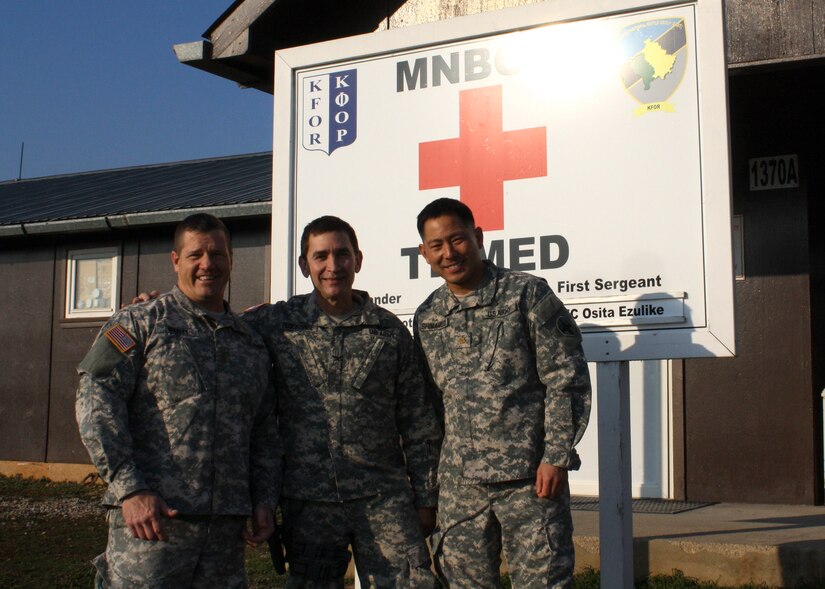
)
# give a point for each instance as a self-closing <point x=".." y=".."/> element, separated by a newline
<point x="482" y="157"/>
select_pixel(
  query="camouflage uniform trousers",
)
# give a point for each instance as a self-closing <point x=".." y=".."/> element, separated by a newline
<point x="477" y="520"/>
<point x="384" y="534"/>
<point x="202" y="551"/>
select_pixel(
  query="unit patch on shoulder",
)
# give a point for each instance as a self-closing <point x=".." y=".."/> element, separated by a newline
<point x="566" y="326"/>
<point x="120" y="338"/>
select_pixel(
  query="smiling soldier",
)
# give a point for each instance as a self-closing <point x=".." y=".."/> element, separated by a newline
<point x="507" y="360"/>
<point x="361" y="440"/>
<point x="176" y="408"/>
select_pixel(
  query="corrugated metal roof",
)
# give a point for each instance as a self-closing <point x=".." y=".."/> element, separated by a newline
<point x="160" y="187"/>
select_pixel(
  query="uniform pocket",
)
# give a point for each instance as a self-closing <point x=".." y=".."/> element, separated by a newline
<point x="132" y="562"/>
<point x="172" y="372"/>
<point x="369" y="452"/>
<point x="301" y="346"/>
<point x="491" y="345"/>
<point x="366" y="364"/>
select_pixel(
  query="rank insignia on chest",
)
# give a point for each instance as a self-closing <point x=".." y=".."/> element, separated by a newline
<point x="120" y="338"/>
<point x="463" y="340"/>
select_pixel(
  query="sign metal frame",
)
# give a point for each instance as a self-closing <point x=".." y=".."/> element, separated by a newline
<point x="715" y="337"/>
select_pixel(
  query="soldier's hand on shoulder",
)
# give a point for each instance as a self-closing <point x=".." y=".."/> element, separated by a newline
<point x="143" y="297"/>
<point x="144" y="513"/>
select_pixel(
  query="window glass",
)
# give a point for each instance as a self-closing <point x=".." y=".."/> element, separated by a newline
<point x="91" y="283"/>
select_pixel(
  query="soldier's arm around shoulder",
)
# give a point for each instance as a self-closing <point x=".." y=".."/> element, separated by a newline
<point x="417" y="422"/>
<point x="264" y="317"/>
<point x="108" y="379"/>
<point x="562" y="368"/>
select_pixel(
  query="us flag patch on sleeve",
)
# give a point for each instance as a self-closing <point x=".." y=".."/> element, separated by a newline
<point x="120" y="338"/>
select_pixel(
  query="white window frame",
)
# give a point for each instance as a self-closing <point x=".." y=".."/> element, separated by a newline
<point x="72" y="259"/>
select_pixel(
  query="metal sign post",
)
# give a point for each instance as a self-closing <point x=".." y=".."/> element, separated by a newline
<point x="615" y="493"/>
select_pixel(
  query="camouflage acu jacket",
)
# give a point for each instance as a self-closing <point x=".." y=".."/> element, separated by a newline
<point x="351" y="402"/>
<point x="508" y="364"/>
<point x="172" y="402"/>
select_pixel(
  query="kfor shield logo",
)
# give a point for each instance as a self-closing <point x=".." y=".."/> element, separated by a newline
<point x="656" y="58"/>
<point x="330" y="111"/>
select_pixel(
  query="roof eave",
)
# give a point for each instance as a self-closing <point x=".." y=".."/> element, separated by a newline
<point x="241" y="44"/>
<point x="198" y="54"/>
<point x="112" y="222"/>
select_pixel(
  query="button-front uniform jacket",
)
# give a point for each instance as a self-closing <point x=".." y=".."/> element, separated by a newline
<point x="509" y="368"/>
<point x="353" y="412"/>
<point x="174" y="402"/>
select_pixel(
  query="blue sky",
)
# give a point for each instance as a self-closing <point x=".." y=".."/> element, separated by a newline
<point x="94" y="84"/>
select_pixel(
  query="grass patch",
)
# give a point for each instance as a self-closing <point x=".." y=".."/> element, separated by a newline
<point x="18" y="487"/>
<point x="53" y="550"/>
<point x="678" y="580"/>
<point x="259" y="571"/>
<point x="49" y="552"/>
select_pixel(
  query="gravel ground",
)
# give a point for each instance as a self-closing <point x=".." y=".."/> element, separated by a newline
<point x="67" y="507"/>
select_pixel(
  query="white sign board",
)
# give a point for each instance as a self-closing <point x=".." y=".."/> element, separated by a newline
<point x="592" y="147"/>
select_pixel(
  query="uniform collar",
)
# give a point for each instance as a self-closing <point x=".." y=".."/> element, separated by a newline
<point x="365" y="314"/>
<point x="228" y="320"/>
<point x="445" y="302"/>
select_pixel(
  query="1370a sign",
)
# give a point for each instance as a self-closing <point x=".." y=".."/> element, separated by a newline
<point x="770" y="173"/>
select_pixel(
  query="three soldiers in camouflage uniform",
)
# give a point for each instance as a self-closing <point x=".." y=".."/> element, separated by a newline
<point x="361" y="438"/>
<point x="506" y="358"/>
<point x="176" y="408"/>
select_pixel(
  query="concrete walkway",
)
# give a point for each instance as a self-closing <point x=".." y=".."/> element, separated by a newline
<point x="729" y="543"/>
